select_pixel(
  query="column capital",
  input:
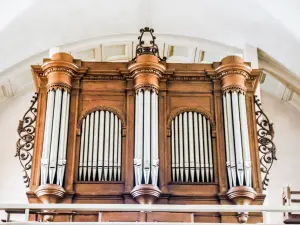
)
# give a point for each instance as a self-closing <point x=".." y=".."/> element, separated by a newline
<point x="146" y="72"/>
<point x="59" y="71"/>
<point x="233" y="72"/>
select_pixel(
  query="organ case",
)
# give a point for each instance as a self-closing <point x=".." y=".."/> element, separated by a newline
<point x="146" y="131"/>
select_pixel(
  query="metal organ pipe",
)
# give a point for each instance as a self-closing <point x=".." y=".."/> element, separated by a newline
<point x="245" y="139"/>
<point x="63" y="138"/>
<point x="147" y="133"/>
<point x="96" y="137"/>
<point x="47" y="137"/>
<point x="154" y="137"/>
<point x="202" y="168"/>
<point x="55" y="137"/>
<point x="193" y="133"/>
<point x="227" y="147"/>
<point x="146" y="161"/>
<point x="100" y="147"/>
<point x="237" y="139"/>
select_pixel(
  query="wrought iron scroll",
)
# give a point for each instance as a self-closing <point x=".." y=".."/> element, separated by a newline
<point x="266" y="147"/>
<point x="152" y="49"/>
<point x="25" y="144"/>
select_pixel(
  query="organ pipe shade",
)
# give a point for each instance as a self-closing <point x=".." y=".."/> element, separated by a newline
<point x="238" y="159"/>
<point x="191" y="148"/>
<point x="53" y="160"/>
<point x="146" y="161"/>
<point x="100" y="147"/>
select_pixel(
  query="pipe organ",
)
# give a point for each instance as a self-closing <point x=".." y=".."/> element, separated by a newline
<point x="191" y="148"/>
<point x="148" y="132"/>
<point x="100" y="147"/>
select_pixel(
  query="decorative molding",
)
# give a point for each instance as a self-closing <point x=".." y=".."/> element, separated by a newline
<point x="25" y="144"/>
<point x="202" y="111"/>
<point x="60" y="69"/>
<point x="104" y="77"/>
<point x="240" y="72"/>
<point x="191" y="78"/>
<point x="233" y="88"/>
<point x="147" y="70"/>
<point x="101" y="108"/>
<point x="266" y="147"/>
<point x="59" y="86"/>
<point x="145" y="87"/>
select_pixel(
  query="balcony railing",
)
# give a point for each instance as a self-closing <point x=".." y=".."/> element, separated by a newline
<point x="28" y="209"/>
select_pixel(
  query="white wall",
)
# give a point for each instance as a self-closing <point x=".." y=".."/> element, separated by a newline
<point x="287" y="139"/>
<point x="285" y="170"/>
<point x="12" y="188"/>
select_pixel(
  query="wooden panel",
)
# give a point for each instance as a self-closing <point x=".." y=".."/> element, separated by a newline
<point x="189" y="86"/>
<point x="106" y="85"/>
<point x="170" y="217"/>
<point x="109" y="188"/>
<point x="193" y="189"/>
<point x="85" y="218"/>
<point x="185" y="100"/>
<point x="111" y="100"/>
<point x="207" y="218"/>
<point x="122" y="217"/>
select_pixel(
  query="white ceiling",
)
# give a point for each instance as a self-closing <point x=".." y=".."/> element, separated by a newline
<point x="29" y="27"/>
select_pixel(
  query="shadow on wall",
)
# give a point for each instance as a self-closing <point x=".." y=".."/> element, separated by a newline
<point x="12" y="188"/>
<point x="287" y="131"/>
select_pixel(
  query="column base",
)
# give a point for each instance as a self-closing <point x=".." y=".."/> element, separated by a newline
<point x="242" y="195"/>
<point x="145" y="193"/>
<point x="50" y="194"/>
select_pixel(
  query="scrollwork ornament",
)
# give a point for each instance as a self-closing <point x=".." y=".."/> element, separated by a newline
<point x="152" y="48"/>
<point x="25" y="144"/>
<point x="266" y="147"/>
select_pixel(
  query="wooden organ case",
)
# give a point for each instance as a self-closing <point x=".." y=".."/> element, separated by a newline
<point x="146" y="132"/>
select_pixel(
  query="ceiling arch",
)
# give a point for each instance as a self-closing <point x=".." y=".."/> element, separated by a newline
<point x="44" y="24"/>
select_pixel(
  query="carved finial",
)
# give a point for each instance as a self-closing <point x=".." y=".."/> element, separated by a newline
<point x="151" y="48"/>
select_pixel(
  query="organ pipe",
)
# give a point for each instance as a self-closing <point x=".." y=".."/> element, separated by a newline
<point x="100" y="156"/>
<point x="115" y="153"/>
<point x="146" y="160"/>
<point x="147" y="129"/>
<point x="196" y="154"/>
<point x="236" y="139"/>
<point x="47" y="137"/>
<point x="201" y="141"/>
<point x="174" y="159"/>
<point x="197" y="150"/>
<point x="119" y="151"/>
<point x="63" y="138"/>
<point x="90" y="147"/>
<point x="191" y="145"/>
<point x="181" y="148"/>
<point x="111" y="146"/>
<point x="245" y="139"/>
<point x="154" y="137"/>
<point x="185" y="147"/>
<point x="55" y="137"/>
<point x="101" y="147"/>
<point x="227" y="147"/>
<point x="95" y="144"/>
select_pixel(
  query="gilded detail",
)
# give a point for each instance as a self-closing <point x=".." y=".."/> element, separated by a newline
<point x="58" y="69"/>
